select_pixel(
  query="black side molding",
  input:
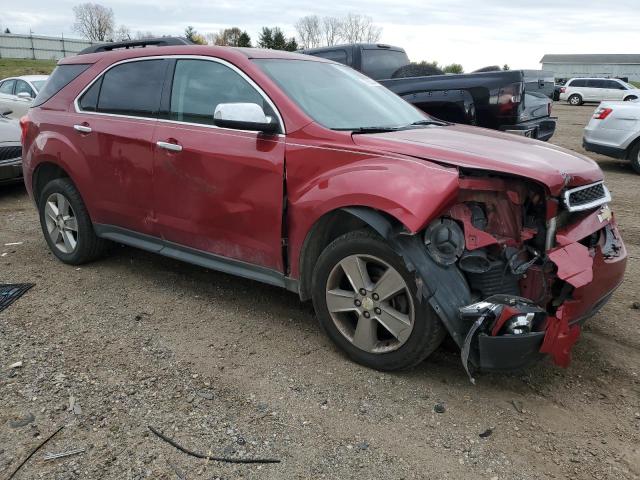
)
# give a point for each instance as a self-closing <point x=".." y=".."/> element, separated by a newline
<point x="196" y="257"/>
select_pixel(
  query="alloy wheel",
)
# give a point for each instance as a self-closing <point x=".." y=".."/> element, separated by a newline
<point x="62" y="224"/>
<point x="370" y="303"/>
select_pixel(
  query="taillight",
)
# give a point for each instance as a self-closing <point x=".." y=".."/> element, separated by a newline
<point x="563" y="89"/>
<point x="24" y="121"/>
<point x="510" y="98"/>
<point x="602" y="113"/>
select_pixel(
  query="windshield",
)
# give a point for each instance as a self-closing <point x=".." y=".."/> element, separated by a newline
<point x="338" y="97"/>
<point x="38" y="84"/>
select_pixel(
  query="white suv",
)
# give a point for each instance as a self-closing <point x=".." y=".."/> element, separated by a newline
<point x="579" y="90"/>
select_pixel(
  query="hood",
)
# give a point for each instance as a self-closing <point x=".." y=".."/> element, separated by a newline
<point x="480" y="148"/>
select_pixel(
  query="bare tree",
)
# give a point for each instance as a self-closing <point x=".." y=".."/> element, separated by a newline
<point x="309" y="31"/>
<point x="359" y="28"/>
<point x="94" y="21"/>
<point x="331" y="28"/>
<point x="140" y="35"/>
<point x="122" y="34"/>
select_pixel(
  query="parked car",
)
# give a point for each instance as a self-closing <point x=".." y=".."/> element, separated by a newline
<point x="614" y="131"/>
<point x="580" y="90"/>
<point x="17" y="93"/>
<point x="303" y="173"/>
<point x="10" y="149"/>
<point x="516" y="101"/>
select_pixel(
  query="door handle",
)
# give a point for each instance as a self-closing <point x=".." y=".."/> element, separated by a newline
<point x="82" y="128"/>
<point x="172" y="147"/>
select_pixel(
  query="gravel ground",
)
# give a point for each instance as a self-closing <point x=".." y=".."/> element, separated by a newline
<point x="232" y="367"/>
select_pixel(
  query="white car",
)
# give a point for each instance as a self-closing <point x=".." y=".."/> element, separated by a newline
<point x="10" y="150"/>
<point x="17" y="93"/>
<point x="579" y="90"/>
<point x="614" y="131"/>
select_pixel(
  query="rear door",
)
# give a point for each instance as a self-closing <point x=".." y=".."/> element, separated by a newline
<point x="616" y="90"/>
<point x="217" y="190"/>
<point x="114" y="130"/>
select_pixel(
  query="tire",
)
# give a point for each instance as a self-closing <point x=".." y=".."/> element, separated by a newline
<point x="634" y="157"/>
<point x="575" y="100"/>
<point x="630" y="97"/>
<point x="384" y="351"/>
<point x="58" y="219"/>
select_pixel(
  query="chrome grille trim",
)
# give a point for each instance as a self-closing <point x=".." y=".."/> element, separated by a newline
<point x="605" y="198"/>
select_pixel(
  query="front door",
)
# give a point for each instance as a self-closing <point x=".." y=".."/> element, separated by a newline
<point x="217" y="190"/>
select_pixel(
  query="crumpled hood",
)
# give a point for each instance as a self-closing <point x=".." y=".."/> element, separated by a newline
<point x="484" y="149"/>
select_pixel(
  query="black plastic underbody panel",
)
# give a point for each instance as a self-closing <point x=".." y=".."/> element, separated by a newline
<point x="9" y="293"/>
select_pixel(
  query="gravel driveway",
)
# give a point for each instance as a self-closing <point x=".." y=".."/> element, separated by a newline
<point x="235" y="368"/>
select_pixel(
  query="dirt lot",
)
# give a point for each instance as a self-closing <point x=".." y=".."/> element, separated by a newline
<point x="233" y="367"/>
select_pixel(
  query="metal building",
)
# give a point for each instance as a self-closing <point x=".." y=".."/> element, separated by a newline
<point x="593" y="65"/>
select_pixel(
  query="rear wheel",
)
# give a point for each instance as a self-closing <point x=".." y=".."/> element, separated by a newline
<point x="575" y="100"/>
<point x="365" y="300"/>
<point x="66" y="224"/>
<point x="634" y="157"/>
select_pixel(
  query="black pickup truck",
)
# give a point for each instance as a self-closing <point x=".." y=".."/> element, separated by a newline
<point x="515" y="101"/>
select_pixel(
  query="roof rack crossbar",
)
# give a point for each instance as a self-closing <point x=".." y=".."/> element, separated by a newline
<point x="147" y="42"/>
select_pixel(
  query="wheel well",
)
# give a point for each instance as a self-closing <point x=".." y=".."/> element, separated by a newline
<point x="631" y="146"/>
<point x="43" y="175"/>
<point x="630" y="97"/>
<point x="329" y="227"/>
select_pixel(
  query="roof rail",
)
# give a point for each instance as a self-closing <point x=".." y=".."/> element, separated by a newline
<point x="147" y="42"/>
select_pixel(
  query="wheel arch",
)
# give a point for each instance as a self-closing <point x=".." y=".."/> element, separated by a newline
<point x="46" y="171"/>
<point x="327" y="228"/>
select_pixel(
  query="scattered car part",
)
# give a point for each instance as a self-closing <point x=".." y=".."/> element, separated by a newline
<point x="68" y="453"/>
<point x="9" y="293"/>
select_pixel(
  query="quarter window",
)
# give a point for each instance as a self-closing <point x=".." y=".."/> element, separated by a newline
<point x="132" y="88"/>
<point x="199" y="86"/>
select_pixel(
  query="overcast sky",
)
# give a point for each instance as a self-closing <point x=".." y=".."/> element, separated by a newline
<point x="473" y="33"/>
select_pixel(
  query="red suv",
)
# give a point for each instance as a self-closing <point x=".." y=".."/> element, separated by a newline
<point x="302" y="173"/>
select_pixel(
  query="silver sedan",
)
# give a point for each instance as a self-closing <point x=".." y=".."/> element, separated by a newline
<point x="17" y="93"/>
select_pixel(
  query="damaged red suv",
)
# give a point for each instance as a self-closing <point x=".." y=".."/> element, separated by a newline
<point x="301" y="173"/>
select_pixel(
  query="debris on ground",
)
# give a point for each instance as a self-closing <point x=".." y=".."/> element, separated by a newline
<point x="518" y="405"/>
<point x="9" y="293"/>
<point x="439" y="408"/>
<point x="635" y="305"/>
<point x="68" y="453"/>
<point x="23" y="421"/>
<point x="209" y="457"/>
<point x="16" y="365"/>
<point x="486" y="433"/>
<point x="40" y="445"/>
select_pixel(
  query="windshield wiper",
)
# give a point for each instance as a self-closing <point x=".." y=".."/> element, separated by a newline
<point x="374" y="129"/>
<point x="439" y="123"/>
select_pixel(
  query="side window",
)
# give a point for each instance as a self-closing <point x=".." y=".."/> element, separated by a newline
<point x="613" y="85"/>
<point x="335" y="55"/>
<point x="89" y="101"/>
<point x="596" y="83"/>
<point x="7" y="87"/>
<point x="132" y="88"/>
<point x="24" y="87"/>
<point x="199" y="86"/>
<point x="578" y="83"/>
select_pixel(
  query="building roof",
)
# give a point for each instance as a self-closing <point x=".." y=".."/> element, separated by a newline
<point x="594" y="59"/>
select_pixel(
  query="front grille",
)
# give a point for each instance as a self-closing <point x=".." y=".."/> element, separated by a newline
<point x="10" y="153"/>
<point x="586" y="197"/>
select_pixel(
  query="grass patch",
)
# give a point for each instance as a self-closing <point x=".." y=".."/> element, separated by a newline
<point x="635" y="84"/>
<point x="14" y="67"/>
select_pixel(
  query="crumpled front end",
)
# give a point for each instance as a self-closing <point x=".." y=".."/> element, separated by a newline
<point x="536" y="267"/>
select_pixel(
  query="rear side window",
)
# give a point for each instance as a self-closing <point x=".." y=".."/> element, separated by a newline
<point x="132" y="88"/>
<point x="335" y="55"/>
<point x="60" y="78"/>
<point x="578" y="83"/>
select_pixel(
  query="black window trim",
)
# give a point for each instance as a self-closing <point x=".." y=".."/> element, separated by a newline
<point x="170" y="69"/>
<point x="11" y="79"/>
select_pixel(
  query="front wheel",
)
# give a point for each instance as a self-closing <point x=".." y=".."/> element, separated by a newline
<point x="575" y="100"/>
<point x="365" y="300"/>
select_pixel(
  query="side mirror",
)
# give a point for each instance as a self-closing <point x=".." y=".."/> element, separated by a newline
<point x="24" y="96"/>
<point x="244" y="116"/>
<point x="5" y="112"/>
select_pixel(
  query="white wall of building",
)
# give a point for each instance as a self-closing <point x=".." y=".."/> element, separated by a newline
<point x="605" y="70"/>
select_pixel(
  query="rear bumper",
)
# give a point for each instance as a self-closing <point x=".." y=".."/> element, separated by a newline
<point x="607" y="150"/>
<point x="540" y="129"/>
